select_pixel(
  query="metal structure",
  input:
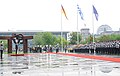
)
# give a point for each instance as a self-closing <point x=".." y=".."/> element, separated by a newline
<point x="16" y="38"/>
<point x="103" y="28"/>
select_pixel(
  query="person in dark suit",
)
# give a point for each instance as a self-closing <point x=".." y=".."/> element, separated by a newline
<point x="1" y="50"/>
<point x="57" y="49"/>
<point x="40" y="48"/>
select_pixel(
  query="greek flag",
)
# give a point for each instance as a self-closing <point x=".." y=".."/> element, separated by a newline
<point x="80" y="12"/>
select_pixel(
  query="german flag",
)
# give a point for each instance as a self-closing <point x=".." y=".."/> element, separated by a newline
<point x="63" y="11"/>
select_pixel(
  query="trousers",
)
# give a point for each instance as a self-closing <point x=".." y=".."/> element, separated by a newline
<point x="1" y="53"/>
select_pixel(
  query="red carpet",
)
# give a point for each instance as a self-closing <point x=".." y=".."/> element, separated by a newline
<point x="16" y="54"/>
<point x="26" y="54"/>
<point x="78" y="55"/>
<point x="91" y="57"/>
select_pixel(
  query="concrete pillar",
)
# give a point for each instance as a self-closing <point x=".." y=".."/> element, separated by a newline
<point x="9" y="45"/>
<point x="25" y="46"/>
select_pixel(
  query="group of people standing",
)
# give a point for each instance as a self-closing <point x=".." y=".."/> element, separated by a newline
<point x="106" y="47"/>
<point x="41" y="49"/>
<point x="50" y="49"/>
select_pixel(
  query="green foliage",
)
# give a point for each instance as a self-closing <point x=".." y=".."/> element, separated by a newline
<point x="104" y="38"/>
<point x="73" y="38"/>
<point x="89" y="39"/>
<point x="5" y="43"/>
<point x="64" y="41"/>
<point x="47" y="38"/>
<point x="115" y="37"/>
<point x="54" y="40"/>
<point x="37" y="39"/>
<point x="109" y="37"/>
<point x="83" y="42"/>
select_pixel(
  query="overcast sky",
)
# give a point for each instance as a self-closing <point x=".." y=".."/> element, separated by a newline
<point x="46" y="14"/>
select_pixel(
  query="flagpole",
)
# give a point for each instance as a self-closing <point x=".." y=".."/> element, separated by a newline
<point x="61" y="33"/>
<point x="93" y="26"/>
<point x="93" y="32"/>
<point x="93" y="40"/>
<point x="62" y="10"/>
<point x="77" y="29"/>
<point x="81" y="14"/>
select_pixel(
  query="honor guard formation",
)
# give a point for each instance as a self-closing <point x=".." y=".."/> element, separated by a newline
<point x="106" y="47"/>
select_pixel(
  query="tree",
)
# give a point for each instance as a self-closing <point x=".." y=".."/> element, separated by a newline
<point x="90" y="39"/>
<point x="73" y="38"/>
<point x="109" y="37"/>
<point x="48" y="38"/>
<point x="4" y="43"/>
<point x="65" y="42"/>
<point x="115" y="36"/>
<point x="37" y="39"/>
<point x="44" y="38"/>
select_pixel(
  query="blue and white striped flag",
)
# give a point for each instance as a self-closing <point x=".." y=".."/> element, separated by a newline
<point x="80" y="12"/>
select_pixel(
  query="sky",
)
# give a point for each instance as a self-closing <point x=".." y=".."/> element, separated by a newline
<point x="46" y="15"/>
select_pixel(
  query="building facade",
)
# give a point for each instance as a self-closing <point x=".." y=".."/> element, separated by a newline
<point x="85" y="33"/>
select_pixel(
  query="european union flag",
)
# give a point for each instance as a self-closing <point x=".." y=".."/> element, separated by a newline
<point x="95" y="12"/>
<point x="80" y="12"/>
